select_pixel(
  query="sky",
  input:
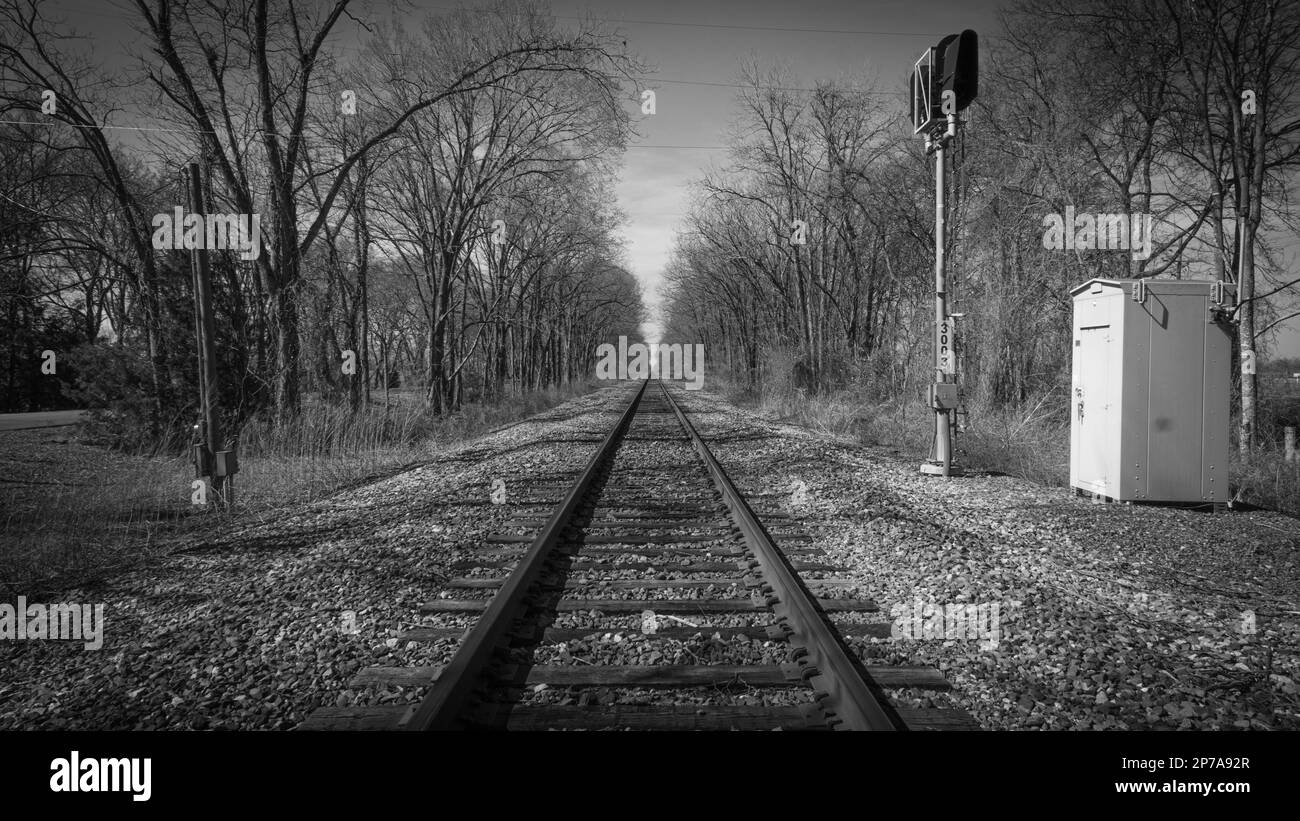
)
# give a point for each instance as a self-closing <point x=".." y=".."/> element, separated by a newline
<point x="702" y="43"/>
<point x="695" y="50"/>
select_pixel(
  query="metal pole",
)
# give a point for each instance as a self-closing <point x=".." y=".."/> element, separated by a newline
<point x="942" y="444"/>
<point x="940" y="461"/>
<point x="207" y="342"/>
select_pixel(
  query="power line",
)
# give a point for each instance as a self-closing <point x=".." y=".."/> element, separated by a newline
<point x="710" y="83"/>
<point x="717" y="83"/>
<point x="671" y="23"/>
<point x="852" y="32"/>
<point x="764" y="88"/>
<point x="685" y="147"/>
<point x="198" y="131"/>
<point x="102" y="126"/>
<point x="720" y="25"/>
<point x="29" y="208"/>
<point x="107" y="127"/>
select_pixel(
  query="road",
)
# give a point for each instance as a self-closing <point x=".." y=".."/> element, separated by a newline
<point x="40" y="419"/>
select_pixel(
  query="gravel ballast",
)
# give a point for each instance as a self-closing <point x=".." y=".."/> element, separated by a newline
<point x="1111" y="616"/>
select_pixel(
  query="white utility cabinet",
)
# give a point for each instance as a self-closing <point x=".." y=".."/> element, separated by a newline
<point x="1150" y="390"/>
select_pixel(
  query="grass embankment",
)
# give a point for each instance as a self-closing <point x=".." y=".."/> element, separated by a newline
<point x="73" y="512"/>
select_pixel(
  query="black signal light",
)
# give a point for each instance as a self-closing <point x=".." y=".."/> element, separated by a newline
<point x="959" y="66"/>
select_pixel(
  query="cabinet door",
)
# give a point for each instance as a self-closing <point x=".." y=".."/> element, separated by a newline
<point x="1177" y="408"/>
<point x="1092" y="418"/>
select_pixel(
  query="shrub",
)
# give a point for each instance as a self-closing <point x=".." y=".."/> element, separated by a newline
<point x="115" y="382"/>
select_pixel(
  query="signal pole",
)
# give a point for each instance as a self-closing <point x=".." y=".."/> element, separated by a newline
<point x="942" y="399"/>
<point x="944" y="80"/>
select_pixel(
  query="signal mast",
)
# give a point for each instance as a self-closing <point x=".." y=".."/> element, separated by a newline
<point x="944" y="81"/>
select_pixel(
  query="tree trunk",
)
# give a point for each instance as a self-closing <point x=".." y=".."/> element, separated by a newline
<point x="285" y="316"/>
<point x="1246" y="340"/>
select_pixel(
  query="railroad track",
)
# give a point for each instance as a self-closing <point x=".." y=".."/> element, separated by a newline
<point x="650" y="557"/>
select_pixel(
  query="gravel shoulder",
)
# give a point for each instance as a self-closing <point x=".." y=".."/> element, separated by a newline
<point x="1111" y="617"/>
<point x="256" y="627"/>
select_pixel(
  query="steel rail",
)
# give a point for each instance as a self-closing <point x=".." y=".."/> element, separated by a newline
<point x="840" y="689"/>
<point x="449" y="694"/>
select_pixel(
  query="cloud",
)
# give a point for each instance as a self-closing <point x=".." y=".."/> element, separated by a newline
<point x="654" y="194"/>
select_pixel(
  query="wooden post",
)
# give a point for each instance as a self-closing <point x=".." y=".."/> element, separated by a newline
<point x="1290" y="451"/>
<point x="207" y="339"/>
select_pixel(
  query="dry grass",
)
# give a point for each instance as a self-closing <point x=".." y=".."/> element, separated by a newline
<point x="1268" y="480"/>
<point x="1031" y="441"/>
<point x="70" y="509"/>
<point x="73" y="513"/>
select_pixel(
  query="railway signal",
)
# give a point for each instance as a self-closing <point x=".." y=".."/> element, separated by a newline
<point x="944" y="81"/>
